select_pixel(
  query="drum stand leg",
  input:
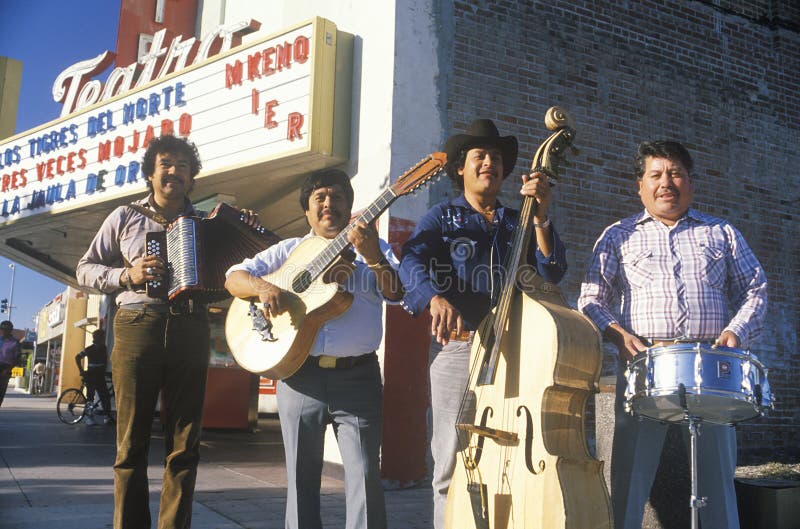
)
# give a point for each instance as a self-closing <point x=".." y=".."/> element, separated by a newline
<point x="695" y="502"/>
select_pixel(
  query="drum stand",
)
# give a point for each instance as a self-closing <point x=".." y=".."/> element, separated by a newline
<point x="695" y="502"/>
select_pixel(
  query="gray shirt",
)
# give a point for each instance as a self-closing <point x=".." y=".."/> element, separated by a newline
<point x="120" y="242"/>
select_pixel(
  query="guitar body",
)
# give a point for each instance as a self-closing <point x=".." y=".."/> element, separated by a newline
<point x="296" y="329"/>
<point x="546" y="478"/>
<point x="278" y="347"/>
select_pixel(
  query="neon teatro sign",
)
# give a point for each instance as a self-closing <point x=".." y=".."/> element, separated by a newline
<point x="76" y="87"/>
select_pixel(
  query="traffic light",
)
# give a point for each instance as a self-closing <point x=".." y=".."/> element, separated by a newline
<point x="3" y="305"/>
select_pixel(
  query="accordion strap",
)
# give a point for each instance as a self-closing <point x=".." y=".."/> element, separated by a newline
<point x="149" y="213"/>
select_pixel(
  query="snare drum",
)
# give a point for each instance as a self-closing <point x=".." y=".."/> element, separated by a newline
<point x="718" y="384"/>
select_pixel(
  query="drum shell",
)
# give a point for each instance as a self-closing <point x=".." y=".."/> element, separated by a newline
<point x="722" y="385"/>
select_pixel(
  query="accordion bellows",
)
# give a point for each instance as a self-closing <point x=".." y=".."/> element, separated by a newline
<point x="198" y="252"/>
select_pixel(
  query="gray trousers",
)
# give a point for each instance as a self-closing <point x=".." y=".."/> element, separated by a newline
<point x="449" y="376"/>
<point x="636" y="452"/>
<point x="351" y="400"/>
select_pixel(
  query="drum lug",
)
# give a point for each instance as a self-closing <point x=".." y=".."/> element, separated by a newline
<point x="698" y="367"/>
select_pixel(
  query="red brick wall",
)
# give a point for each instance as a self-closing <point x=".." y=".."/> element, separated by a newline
<point x="722" y="80"/>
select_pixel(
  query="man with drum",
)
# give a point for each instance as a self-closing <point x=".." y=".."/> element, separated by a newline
<point x="671" y="273"/>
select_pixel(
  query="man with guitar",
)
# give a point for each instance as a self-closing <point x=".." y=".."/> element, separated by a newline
<point x="453" y="264"/>
<point x="340" y="381"/>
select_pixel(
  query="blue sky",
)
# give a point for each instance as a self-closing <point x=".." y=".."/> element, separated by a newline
<point x="47" y="36"/>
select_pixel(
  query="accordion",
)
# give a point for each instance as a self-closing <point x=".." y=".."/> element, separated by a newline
<point x="198" y="251"/>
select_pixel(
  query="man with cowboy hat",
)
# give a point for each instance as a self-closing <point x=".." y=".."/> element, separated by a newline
<point x="452" y="264"/>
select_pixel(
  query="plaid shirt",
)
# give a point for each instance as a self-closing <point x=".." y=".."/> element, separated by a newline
<point x="689" y="281"/>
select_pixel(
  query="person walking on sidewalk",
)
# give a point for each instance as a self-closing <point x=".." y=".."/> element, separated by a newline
<point x="10" y="353"/>
<point x="95" y="374"/>
<point x="37" y="378"/>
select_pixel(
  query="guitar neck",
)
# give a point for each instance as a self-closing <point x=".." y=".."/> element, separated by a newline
<point x="340" y="242"/>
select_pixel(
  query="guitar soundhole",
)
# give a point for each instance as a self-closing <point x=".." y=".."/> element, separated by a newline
<point x="301" y="282"/>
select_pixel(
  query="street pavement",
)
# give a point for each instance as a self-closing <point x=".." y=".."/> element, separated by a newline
<point x="58" y="475"/>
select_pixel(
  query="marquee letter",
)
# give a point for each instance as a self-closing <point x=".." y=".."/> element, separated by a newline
<point x="294" y="125"/>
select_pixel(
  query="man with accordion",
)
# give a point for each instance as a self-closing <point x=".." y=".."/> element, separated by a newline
<point x="159" y="346"/>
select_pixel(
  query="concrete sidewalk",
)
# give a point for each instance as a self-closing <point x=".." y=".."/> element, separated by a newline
<point x="56" y="475"/>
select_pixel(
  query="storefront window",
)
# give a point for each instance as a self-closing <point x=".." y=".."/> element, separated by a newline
<point x="220" y="353"/>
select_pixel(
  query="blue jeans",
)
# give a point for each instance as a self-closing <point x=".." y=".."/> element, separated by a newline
<point x="157" y="352"/>
<point x="351" y="400"/>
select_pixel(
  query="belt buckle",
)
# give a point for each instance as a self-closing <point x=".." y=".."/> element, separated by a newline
<point x="180" y="308"/>
<point x="187" y="306"/>
<point x="327" y="362"/>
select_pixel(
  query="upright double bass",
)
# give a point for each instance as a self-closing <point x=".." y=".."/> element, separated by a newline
<point x="534" y="363"/>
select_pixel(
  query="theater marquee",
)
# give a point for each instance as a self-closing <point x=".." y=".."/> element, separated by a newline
<point x="260" y="114"/>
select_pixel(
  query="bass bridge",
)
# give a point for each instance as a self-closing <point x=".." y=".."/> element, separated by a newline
<point x="500" y="436"/>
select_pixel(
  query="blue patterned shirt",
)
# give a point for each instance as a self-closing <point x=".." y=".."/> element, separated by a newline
<point x="456" y="253"/>
<point x="692" y="280"/>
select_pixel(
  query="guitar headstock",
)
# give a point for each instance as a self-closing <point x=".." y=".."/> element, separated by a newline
<point x="420" y="174"/>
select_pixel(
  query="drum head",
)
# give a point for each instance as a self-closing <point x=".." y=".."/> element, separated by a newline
<point x="717" y="384"/>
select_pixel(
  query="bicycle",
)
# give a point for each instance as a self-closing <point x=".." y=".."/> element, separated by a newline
<point x="73" y="406"/>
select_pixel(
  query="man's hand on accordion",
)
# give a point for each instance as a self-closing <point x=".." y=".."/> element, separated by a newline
<point x="251" y="218"/>
<point x="147" y="268"/>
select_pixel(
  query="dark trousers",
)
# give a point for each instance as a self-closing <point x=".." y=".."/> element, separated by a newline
<point x="158" y="352"/>
<point x="5" y="376"/>
<point x="96" y="383"/>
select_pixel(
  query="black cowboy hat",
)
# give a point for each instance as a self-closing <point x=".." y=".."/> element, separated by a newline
<point x="481" y="133"/>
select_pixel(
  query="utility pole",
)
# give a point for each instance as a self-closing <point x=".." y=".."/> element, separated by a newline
<point x="11" y="294"/>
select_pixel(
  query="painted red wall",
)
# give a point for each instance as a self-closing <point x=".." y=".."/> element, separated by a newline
<point x="136" y="17"/>
<point x="405" y="371"/>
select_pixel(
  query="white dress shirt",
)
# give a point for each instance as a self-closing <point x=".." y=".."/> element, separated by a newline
<point x="360" y="329"/>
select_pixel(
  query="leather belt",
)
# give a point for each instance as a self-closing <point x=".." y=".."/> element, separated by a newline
<point x="177" y="309"/>
<point x="161" y="308"/>
<point x="464" y="336"/>
<point x="663" y="343"/>
<point x="341" y="362"/>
